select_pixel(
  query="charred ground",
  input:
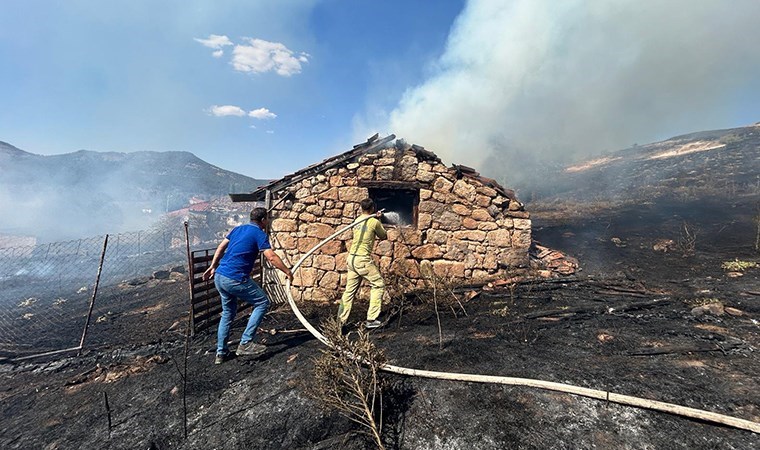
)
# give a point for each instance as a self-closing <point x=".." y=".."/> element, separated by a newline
<point x="626" y="324"/>
<point x="625" y="336"/>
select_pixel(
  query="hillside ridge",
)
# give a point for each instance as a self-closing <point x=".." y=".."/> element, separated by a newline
<point x="88" y="192"/>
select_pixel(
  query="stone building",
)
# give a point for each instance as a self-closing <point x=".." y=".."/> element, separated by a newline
<point x="450" y="221"/>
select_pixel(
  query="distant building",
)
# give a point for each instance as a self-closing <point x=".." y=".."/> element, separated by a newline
<point x="15" y="240"/>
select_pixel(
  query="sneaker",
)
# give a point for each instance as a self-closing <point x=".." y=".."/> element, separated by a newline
<point x="370" y="324"/>
<point x="221" y="358"/>
<point x="250" y="349"/>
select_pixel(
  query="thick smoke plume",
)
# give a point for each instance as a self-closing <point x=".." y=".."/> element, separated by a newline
<point x="540" y="81"/>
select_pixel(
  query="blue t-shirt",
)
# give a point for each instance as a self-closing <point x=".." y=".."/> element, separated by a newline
<point x="245" y="243"/>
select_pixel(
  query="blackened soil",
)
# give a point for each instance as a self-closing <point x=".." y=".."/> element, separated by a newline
<point x="625" y="324"/>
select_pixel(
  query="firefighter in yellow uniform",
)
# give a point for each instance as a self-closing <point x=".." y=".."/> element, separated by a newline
<point x="360" y="265"/>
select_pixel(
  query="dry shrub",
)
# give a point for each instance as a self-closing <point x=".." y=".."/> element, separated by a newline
<point x="687" y="241"/>
<point x="701" y="301"/>
<point x="524" y="333"/>
<point x="730" y="138"/>
<point x="738" y="266"/>
<point x="440" y="292"/>
<point x="398" y="288"/>
<point x="501" y="312"/>
<point x="347" y="379"/>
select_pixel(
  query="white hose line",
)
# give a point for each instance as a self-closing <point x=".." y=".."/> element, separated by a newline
<point x="512" y="381"/>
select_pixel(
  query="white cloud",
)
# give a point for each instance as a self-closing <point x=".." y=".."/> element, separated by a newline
<point x="216" y="42"/>
<point x="262" y="113"/>
<point x="270" y="131"/>
<point x="226" y="110"/>
<point x="261" y="56"/>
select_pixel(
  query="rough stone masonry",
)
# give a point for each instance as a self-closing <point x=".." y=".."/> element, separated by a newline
<point x="468" y="228"/>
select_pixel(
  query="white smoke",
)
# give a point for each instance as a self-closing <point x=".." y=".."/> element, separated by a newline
<point x="554" y="80"/>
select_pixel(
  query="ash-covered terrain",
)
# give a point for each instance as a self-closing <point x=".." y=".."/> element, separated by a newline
<point x="658" y="311"/>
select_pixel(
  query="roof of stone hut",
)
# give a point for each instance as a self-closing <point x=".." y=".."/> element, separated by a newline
<point x="373" y="144"/>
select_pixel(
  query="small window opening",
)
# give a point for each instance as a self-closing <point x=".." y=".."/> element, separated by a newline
<point x="400" y="204"/>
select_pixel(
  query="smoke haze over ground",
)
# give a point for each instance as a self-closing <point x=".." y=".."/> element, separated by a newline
<point x="536" y="82"/>
<point x="80" y="194"/>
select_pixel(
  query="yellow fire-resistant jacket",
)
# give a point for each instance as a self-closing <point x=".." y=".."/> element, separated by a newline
<point x="364" y="236"/>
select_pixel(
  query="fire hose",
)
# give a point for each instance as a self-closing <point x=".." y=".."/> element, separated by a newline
<point x="638" y="402"/>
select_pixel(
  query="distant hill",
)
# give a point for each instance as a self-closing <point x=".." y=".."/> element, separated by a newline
<point x="84" y="193"/>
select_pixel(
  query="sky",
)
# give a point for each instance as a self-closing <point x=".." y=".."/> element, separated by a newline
<point x="264" y="88"/>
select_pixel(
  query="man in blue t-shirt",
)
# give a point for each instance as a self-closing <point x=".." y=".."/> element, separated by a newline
<point x="231" y="268"/>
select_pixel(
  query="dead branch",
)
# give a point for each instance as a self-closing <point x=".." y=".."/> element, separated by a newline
<point x="108" y="412"/>
<point x="273" y="331"/>
<point x="757" y="229"/>
<point x="668" y="350"/>
<point x="84" y="376"/>
<point x="629" y="293"/>
<point x="437" y="316"/>
<point x="346" y="378"/>
<point x="596" y="309"/>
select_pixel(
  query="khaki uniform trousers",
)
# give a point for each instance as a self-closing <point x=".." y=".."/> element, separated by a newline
<point x="361" y="267"/>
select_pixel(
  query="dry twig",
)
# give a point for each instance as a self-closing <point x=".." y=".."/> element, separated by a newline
<point x="687" y="242"/>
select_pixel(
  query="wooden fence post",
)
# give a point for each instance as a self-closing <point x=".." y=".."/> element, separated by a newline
<point x="94" y="294"/>
<point x="190" y="275"/>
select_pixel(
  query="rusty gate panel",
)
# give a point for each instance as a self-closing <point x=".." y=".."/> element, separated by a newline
<point x="205" y="305"/>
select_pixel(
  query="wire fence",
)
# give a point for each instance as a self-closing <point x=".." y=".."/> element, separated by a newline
<point x="46" y="290"/>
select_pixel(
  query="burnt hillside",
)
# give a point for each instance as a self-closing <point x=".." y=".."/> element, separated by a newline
<point x="701" y="187"/>
<point x="719" y="164"/>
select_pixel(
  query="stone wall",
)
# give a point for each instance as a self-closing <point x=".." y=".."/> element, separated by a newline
<point x="466" y="230"/>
